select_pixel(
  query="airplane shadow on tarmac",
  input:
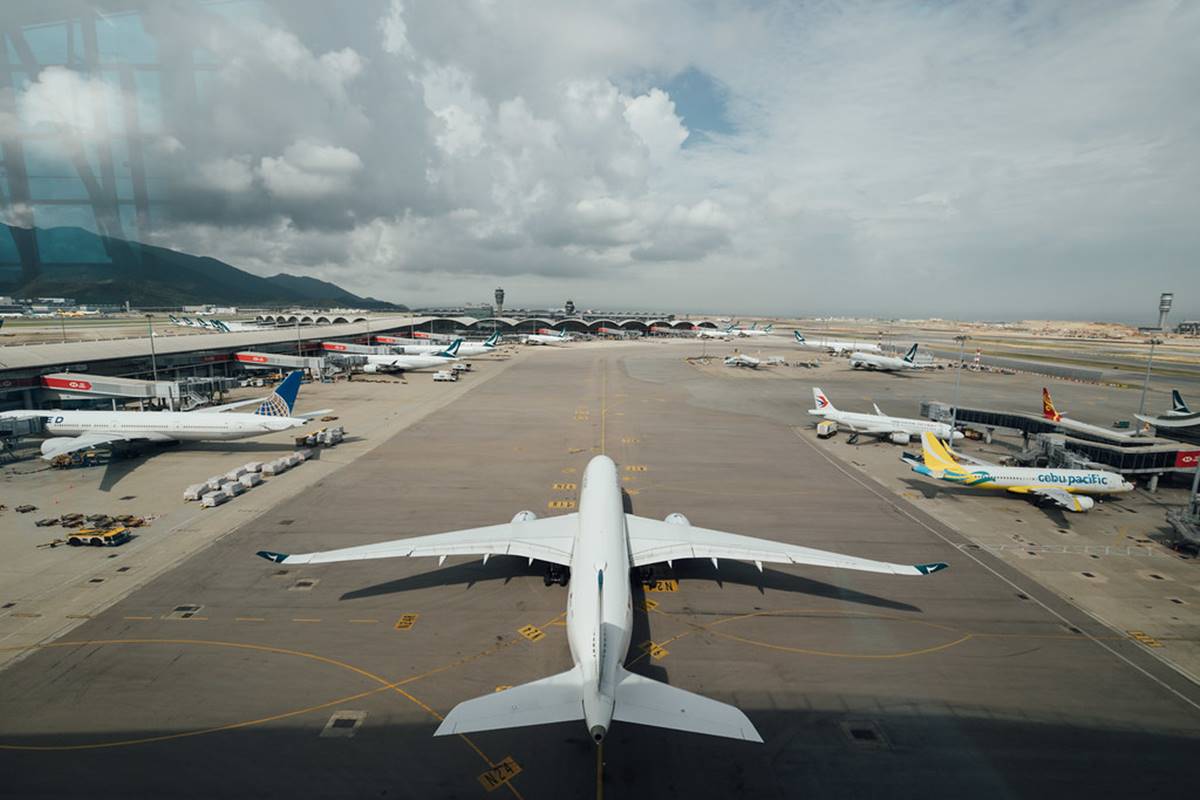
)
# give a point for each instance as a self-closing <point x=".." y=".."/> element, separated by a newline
<point x="931" y="491"/>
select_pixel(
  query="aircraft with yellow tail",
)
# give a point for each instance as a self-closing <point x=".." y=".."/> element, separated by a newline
<point x="1068" y="488"/>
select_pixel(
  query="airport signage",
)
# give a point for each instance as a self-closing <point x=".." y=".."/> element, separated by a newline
<point x="74" y="384"/>
<point x="1187" y="459"/>
<point x="1092" y="479"/>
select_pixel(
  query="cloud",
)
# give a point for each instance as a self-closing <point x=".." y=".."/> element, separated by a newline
<point x="309" y="169"/>
<point x="622" y="152"/>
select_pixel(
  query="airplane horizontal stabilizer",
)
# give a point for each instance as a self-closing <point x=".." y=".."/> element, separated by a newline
<point x="648" y="702"/>
<point x="558" y="698"/>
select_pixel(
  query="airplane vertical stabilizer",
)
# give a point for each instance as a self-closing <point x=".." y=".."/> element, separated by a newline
<point x="283" y="399"/>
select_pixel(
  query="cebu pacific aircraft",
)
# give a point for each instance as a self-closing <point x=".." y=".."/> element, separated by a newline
<point x="1067" y="488"/>
<point x="834" y="346"/>
<point x="876" y="361"/>
<point x="595" y="551"/>
<point x="898" y="429"/>
<point x="79" y="430"/>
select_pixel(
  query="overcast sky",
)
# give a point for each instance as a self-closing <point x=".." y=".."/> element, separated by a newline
<point x="986" y="159"/>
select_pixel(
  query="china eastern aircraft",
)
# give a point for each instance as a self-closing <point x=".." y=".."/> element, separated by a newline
<point x="79" y="430"/>
<point x="834" y="346"/>
<point x="600" y="545"/>
<point x="898" y="429"/>
<point x="877" y="361"/>
<point x="409" y="363"/>
<point x="1067" y="488"/>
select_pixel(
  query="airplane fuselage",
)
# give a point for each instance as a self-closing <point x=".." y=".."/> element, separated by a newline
<point x="874" y="361"/>
<point x="1075" y="481"/>
<point x="183" y="426"/>
<point x="599" y="598"/>
<point x="908" y="425"/>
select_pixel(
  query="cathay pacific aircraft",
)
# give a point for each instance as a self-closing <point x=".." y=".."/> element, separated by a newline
<point x="409" y="363"/>
<point x="79" y="430"/>
<point x="898" y="429"/>
<point x="876" y="361"/>
<point x="600" y="545"/>
<point x="466" y="349"/>
<point x="545" y="336"/>
<point x="1065" y="487"/>
<point x="834" y="346"/>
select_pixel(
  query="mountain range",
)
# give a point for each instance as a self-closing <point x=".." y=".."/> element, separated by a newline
<point x="95" y="269"/>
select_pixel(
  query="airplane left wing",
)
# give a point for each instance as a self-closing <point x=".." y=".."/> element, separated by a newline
<point x="551" y="539"/>
<point x="1061" y="497"/>
<point x="652" y="541"/>
<point x="61" y="445"/>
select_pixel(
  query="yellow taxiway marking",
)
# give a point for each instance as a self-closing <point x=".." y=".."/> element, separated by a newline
<point x="301" y="619"/>
<point x="635" y="467"/>
<point x="532" y="632"/>
<point x="576" y="450"/>
<point x="134" y="617"/>
<point x="664" y="585"/>
<point x="649" y="604"/>
<point x="603" y="406"/>
<point x="406" y="621"/>
<point x="1145" y="638"/>
<point x="363" y="621"/>
<point x="502" y="687"/>
<point x="384" y="685"/>
<point x="79" y="616"/>
<point x="561" y="504"/>
<point x="600" y="771"/>
<point x="655" y="651"/>
<point x="632" y="492"/>
<point x="500" y="774"/>
<point x="564" y="487"/>
<point x="629" y="440"/>
<point x="249" y="619"/>
<point x="569" y="470"/>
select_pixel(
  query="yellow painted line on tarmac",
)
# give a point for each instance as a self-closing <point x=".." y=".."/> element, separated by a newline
<point x="406" y="622"/>
<point x="500" y="774"/>
<point x="249" y="619"/>
<point x="563" y="487"/>
<point x="363" y="621"/>
<point x="302" y="619"/>
<point x="79" y="616"/>
<point x="138" y="617"/>
<point x="557" y="504"/>
<point x="532" y="632"/>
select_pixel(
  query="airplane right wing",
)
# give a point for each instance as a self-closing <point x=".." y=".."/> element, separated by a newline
<point x="551" y="539"/>
<point x="653" y="541"/>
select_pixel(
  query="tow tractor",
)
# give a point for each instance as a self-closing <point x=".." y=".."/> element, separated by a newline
<point x="99" y="537"/>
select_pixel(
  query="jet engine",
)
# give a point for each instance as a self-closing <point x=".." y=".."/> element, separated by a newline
<point x="677" y="519"/>
<point x="899" y="437"/>
<point x="370" y="369"/>
<point x="1085" y="503"/>
<point x="524" y="516"/>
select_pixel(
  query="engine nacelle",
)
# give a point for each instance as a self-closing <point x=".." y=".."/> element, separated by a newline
<point x="1084" y="502"/>
<point x="370" y="369"/>
<point x="899" y="437"/>
<point x="524" y="516"/>
<point x="677" y="519"/>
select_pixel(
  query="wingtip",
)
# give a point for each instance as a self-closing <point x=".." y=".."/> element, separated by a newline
<point x="278" y="558"/>
<point x="929" y="569"/>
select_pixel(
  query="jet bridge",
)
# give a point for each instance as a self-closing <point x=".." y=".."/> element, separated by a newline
<point x="180" y="395"/>
<point x="1127" y="455"/>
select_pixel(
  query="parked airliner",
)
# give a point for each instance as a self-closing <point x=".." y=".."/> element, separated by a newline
<point x="834" y="346"/>
<point x="876" y="361"/>
<point x="600" y="545"/>
<point x="410" y="363"/>
<point x="898" y="429"/>
<point x="546" y="336"/>
<point x="1052" y="414"/>
<point x="1065" y="487"/>
<point x="79" y="430"/>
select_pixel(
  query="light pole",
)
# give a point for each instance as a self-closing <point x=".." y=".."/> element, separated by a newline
<point x="153" y="359"/>
<point x="62" y="323"/>
<point x="1146" y="382"/>
<point x="962" y="343"/>
<point x="299" y="351"/>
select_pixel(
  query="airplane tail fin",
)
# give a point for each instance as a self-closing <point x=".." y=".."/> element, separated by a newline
<point x="452" y="350"/>
<point x="1048" y="409"/>
<point x="936" y="461"/>
<point x="799" y="336"/>
<point x="911" y="355"/>
<point x="1177" y="403"/>
<point x="820" y="401"/>
<point x="492" y="340"/>
<point x="769" y="328"/>
<point x="283" y="399"/>
<point x="557" y="698"/>
<point x="643" y="701"/>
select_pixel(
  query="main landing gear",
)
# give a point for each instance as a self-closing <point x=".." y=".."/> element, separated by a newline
<point x="556" y="573"/>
